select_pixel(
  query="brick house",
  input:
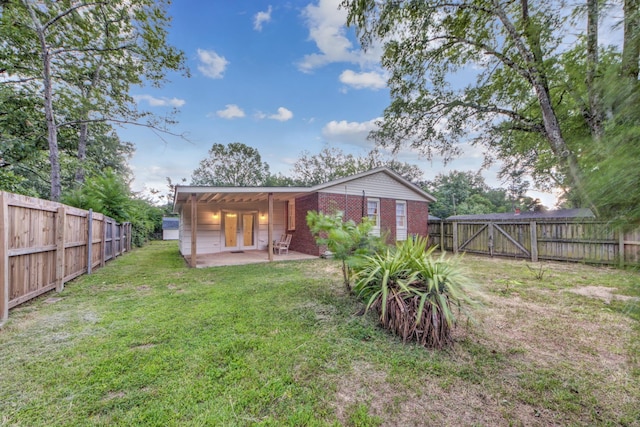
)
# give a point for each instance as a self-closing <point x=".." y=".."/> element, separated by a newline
<point x="251" y="218"/>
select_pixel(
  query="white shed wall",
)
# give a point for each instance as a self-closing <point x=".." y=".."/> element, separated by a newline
<point x="170" y="234"/>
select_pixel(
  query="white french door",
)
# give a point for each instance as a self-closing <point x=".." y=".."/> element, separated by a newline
<point x="240" y="229"/>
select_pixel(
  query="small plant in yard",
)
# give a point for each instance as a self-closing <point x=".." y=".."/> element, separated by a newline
<point x="415" y="294"/>
<point x="539" y="272"/>
<point x="345" y="239"/>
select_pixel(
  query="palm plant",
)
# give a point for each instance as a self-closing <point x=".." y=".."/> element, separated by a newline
<point x="414" y="293"/>
<point x="345" y="239"/>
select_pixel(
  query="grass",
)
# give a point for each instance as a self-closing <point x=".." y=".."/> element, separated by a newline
<point x="147" y="341"/>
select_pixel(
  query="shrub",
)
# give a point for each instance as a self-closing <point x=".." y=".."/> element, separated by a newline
<point x="414" y="294"/>
<point x="345" y="239"/>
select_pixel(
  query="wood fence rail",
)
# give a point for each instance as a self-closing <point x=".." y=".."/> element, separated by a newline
<point x="540" y="239"/>
<point x="44" y="244"/>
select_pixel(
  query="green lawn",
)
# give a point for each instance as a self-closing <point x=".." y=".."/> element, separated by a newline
<point x="147" y="341"/>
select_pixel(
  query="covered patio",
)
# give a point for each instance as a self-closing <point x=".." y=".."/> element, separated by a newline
<point x="244" y="257"/>
<point x="235" y="225"/>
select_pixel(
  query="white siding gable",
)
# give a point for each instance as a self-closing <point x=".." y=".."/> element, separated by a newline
<point x="376" y="185"/>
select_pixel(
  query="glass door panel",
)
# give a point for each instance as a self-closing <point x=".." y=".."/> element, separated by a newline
<point x="230" y="230"/>
<point x="247" y="229"/>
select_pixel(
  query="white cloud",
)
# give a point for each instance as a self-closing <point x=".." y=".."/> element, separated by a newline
<point x="261" y="18"/>
<point x="160" y="102"/>
<point x="282" y="115"/>
<point x="211" y="64"/>
<point x="326" y="23"/>
<point x="371" y="80"/>
<point x="354" y="133"/>
<point x="232" y="111"/>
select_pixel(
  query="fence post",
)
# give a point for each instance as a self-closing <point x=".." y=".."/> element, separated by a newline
<point x="442" y="248"/>
<point x="533" y="229"/>
<point x="104" y="241"/>
<point x="60" y="240"/>
<point x="193" y="261"/>
<point x="4" y="259"/>
<point x="89" y="240"/>
<point x="490" y="239"/>
<point x="113" y="239"/>
<point x="454" y="224"/>
<point x="621" y="246"/>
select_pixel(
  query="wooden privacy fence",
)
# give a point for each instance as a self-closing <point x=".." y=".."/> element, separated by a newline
<point x="45" y="244"/>
<point x="542" y="239"/>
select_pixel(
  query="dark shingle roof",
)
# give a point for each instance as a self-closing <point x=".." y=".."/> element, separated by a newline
<point x="557" y="214"/>
<point x="169" y="223"/>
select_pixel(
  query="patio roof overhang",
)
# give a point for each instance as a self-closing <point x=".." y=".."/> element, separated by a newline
<point x="235" y="194"/>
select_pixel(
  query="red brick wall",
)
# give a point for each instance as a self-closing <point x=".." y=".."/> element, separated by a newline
<point x="418" y="215"/>
<point x="350" y="205"/>
<point x="388" y="219"/>
<point x="302" y="240"/>
<point x="328" y="203"/>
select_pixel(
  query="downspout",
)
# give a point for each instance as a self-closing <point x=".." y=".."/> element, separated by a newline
<point x="344" y="218"/>
<point x="363" y="199"/>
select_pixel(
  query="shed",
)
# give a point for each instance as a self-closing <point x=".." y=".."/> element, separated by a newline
<point x="170" y="228"/>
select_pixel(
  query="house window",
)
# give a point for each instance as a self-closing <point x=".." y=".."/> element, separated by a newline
<point x="401" y="220"/>
<point x="401" y="214"/>
<point x="373" y="211"/>
<point x="291" y="215"/>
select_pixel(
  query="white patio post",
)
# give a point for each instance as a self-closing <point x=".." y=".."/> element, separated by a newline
<point x="194" y="232"/>
<point x="270" y="226"/>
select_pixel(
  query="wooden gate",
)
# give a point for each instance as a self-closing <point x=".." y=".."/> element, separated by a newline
<point x="541" y="238"/>
<point x="511" y="239"/>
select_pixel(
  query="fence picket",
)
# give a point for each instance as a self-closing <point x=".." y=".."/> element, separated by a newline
<point x="582" y="241"/>
<point x="44" y="243"/>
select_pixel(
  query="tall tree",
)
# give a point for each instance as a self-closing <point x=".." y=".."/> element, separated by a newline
<point x="513" y="52"/>
<point x="466" y="193"/>
<point x="235" y="164"/>
<point x="87" y="51"/>
<point x="332" y="163"/>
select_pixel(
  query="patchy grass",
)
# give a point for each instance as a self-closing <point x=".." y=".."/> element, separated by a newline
<point x="146" y="340"/>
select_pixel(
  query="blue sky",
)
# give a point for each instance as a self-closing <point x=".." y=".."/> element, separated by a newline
<point x="279" y="77"/>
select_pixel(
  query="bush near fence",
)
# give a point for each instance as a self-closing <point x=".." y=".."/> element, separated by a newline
<point x="589" y="241"/>
<point x="44" y="244"/>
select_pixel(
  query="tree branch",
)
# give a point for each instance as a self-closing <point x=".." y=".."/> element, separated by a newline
<point x="68" y="11"/>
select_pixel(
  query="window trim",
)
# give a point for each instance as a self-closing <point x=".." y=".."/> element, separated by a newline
<point x="291" y="215"/>
<point x="377" y="214"/>
<point x="406" y="214"/>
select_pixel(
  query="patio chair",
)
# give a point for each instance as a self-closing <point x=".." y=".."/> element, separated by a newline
<point x="283" y="244"/>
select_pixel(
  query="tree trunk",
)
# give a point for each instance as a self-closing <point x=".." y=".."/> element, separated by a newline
<point x="82" y="152"/>
<point x="631" y="45"/>
<point x="84" y="126"/>
<point x="594" y="117"/>
<point x="52" y="128"/>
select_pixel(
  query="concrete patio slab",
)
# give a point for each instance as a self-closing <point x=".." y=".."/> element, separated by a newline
<point x="245" y="257"/>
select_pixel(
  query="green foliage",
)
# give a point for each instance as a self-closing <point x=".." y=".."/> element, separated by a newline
<point x="234" y="165"/>
<point x="466" y="193"/>
<point x="76" y="63"/>
<point x="345" y="239"/>
<point x="414" y="293"/>
<point x="332" y="163"/>
<point x="110" y="195"/>
<point x="559" y="110"/>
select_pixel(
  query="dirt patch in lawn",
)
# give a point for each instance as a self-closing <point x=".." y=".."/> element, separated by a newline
<point x="546" y="345"/>
<point x="428" y="403"/>
<point x="601" y="292"/>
